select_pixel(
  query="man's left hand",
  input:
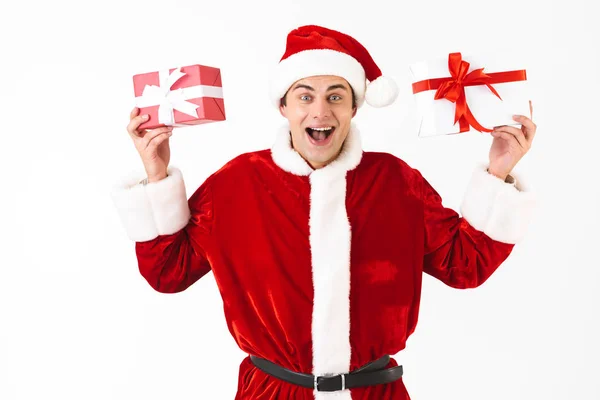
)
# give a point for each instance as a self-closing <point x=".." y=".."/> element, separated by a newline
<point x="510" y="145"/>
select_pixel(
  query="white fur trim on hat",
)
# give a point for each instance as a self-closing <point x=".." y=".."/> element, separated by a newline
<point x="317" y="62"/>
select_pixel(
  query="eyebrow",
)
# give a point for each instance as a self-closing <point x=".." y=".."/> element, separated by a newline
<point x="303" y="86"/>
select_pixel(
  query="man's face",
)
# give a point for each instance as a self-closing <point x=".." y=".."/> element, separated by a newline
<point x="319" y="110"/>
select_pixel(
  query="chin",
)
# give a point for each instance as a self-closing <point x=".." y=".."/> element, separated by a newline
<point x="321" y="159"/>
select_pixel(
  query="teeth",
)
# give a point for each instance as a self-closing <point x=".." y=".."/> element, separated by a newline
<point x="322" y="129"/>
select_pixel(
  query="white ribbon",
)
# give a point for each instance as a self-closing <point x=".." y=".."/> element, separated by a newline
<point x="169" y="100"/>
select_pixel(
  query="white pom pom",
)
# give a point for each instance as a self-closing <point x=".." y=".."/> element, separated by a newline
<point x="381" y="92"/>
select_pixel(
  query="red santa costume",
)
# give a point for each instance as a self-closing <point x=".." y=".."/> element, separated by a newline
<point x="320" y="270"/>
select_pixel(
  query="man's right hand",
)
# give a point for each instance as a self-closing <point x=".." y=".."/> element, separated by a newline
<point x="152" y="144"/>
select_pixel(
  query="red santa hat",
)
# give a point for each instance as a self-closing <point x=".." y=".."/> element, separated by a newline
<point x="313" y="50"/>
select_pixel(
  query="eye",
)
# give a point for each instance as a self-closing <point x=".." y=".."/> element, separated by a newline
<point x="335" y="95"/>
<point x="303" y="96"/>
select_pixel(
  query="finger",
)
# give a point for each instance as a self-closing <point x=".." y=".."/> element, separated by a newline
<point x="516" y="133"/>
<point x="153" y="133"/>
<point x="506" y="136"/>
<point x="528" y="124"/>
<point x="134" y="124"/>
<point x="530" y="110"/>
<point x="158" y="139"/>
<point x="134" y="113"/>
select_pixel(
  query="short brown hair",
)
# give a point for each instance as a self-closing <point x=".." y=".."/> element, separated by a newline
<point x="282" y="101"/>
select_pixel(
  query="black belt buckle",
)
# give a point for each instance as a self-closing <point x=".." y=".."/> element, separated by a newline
<point x="373" y="373"/>
<point x="330" y="383"/>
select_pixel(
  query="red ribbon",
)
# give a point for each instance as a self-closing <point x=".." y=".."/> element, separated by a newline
<point x="453" y="88"/>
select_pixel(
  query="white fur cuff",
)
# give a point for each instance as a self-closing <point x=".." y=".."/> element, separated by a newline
<point x="159" y="208"/>
<point x="499" y="209"/>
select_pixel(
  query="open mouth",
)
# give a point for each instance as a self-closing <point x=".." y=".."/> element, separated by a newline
<point x="320" y="135"/>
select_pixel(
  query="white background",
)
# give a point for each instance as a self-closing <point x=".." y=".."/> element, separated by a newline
<point x="77" y="321"/>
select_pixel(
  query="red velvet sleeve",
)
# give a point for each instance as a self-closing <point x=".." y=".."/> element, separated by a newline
<point x="173" y="262"/>
<point x="455" y="252"/>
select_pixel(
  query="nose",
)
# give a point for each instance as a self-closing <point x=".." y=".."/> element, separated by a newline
<point x="321" y="108"/>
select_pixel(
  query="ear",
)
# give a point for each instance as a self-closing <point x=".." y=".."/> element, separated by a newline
<point x="282" y="111"/>
<point x="354" y="111"/>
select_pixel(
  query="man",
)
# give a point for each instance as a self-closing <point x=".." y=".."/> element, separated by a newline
<point x="317" y="247"/>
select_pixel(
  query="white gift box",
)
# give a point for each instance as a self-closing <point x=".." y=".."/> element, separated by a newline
<point x="437" y="116"/>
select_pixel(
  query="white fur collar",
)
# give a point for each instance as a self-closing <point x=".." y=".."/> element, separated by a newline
<point x="288" y="159"/>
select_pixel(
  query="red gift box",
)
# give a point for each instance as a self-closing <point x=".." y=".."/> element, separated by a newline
<point x="182" y="96"/>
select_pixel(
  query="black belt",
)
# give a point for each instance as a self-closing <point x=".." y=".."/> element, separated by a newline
<point x="367" y="375"/>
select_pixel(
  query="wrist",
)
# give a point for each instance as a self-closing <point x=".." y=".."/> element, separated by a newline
<point x="498" y="175"/>
<point x="153" y="178"/>
<point x="156" y="178"/>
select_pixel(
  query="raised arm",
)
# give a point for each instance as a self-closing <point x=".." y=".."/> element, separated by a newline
<point x="171" y="232"/>
<point x="463" y="252"/>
